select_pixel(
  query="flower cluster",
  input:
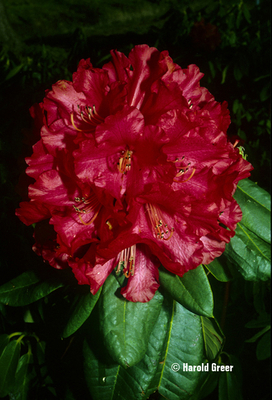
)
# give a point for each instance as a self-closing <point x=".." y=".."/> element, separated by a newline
<point x="133" y="169"/>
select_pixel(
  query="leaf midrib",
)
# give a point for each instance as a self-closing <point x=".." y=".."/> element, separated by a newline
<point x="256" y="201"/>
<point x="254" y="244"/>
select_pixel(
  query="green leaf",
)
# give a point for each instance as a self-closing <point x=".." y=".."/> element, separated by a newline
<point x="238" y="74"/>
<point x="28" y="318"/>
<point x="213" y="338"/>
<point x="80" y="311"/>
<point x="259" y="334"/>
<point x="246" y="13"/>
<point x="265" y="93"/>
<point x="219" y="270"/>
<point x="255" y="204"/>
<point x="23" y="377"/>
<point x="235" y="106"/>
<point x="230" y="383"/>
<point x="176" y="341"/>
<point x="193" y="290"/>
<point x="14" y="71"/>
<point x="213" y="72"/>
<point x="232" y="38"/>
<point x="185" y="349"/>
<point x="263" y="350"/>
<point x="126" y="325"/>
<point x="262" y="321"/>
<point x="250" y="248"/>
<point x="224" y="74"/>
<point x="26" y="289"/>
<point x="108" y="380"/>
<point x="208" y="385"/>
<point x="8" y="365"/>
<point x="4" y="339"/>
<point x="238" y="19"/>
<point x="250" y="254"/>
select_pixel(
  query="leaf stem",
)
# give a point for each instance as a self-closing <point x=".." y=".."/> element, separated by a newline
<point x="15" y="334"/>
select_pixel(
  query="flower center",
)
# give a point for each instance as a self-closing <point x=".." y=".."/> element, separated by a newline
<point x="183" y="170"/>
<point x="88" y="115"/>
<point x="160" y="228"/>
<point x="87" y="205"/>
<point x="126" y="261"/>
<point x="190" y="104"/>
<point x="124" y="163"/>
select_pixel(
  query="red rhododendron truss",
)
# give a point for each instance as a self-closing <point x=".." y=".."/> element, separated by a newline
<point x="133" y="169"/>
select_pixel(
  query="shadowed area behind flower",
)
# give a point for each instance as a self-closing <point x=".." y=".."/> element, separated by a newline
<point x="133" y="169"/>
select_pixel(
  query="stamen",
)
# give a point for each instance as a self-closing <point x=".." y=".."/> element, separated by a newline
<point x="126" y="261"/>
<point x="124" y="163"/>
<point x="109" y="225"/>
<point x="91" y="221"/>
<point x="89" y="115"/>
<point x="161" y="230"/>
<point x="88" y="205"/>
<point x="181" y="172"/>
<point x="73" y="123"/>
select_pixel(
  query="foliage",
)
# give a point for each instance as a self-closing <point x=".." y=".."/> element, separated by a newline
<point x="145" y="345"/>
<point x="59" y="341"/>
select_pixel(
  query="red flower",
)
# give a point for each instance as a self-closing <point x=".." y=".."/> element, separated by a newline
<point x="133" y="169"/>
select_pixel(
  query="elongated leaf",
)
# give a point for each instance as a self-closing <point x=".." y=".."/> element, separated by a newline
<point x="80" y="311"/>
<point x="251" y="254"/>
<point x="4" y="339"/>
<point x="262" y="321"/>
<point x="263" y="350"/>
<point x="230" y="382"/>
<point x="26" y="289"/>
<point x="192" y="291"/>
<point x="14" y="71"/>
<point x="126" y="326"/>
<point x="184" y="352"/>
<point x="259" y="334"/>
<point x="219" y="270"/>
<point x="176" y="343"/>
<point x="8" y="365"/>
<point x="107" y="380"/>
<point x="255" y="204"/>
<point x="213" y="338"/>
<point x="249" y="249"/>
<point x="207" y="385"/>
<point x="22" y="378"/>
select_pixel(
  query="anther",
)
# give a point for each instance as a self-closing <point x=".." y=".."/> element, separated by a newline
<point x="160" y="228"/>
<point x="89" y="115"/>
<point x="181" y="173"/>
<point x="91" y="205"/>
<point x="126" y="263"/>
<point x="124" y="163"/>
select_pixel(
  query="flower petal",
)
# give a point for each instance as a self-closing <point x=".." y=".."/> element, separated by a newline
<point x="145" y="281"/>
